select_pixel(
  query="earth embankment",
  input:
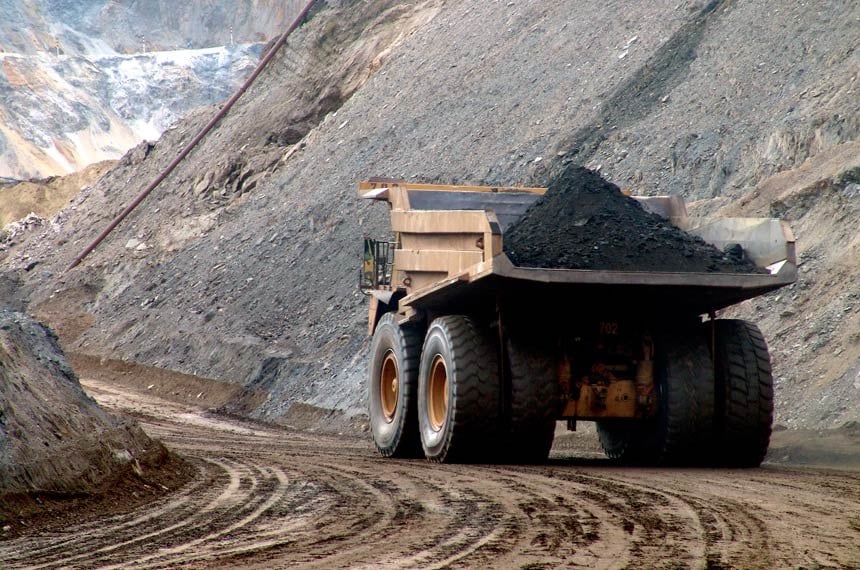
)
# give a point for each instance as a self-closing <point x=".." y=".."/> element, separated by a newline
<point x="54" y="439"/>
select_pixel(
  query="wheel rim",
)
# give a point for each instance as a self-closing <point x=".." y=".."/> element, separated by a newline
<point x="438" y="393"/>
<point x="389" y="386"/>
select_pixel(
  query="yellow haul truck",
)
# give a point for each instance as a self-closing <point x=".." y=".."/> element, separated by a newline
<point x="475" y="359"/>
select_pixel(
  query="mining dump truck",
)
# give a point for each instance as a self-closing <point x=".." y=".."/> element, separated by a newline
<point x="474" y="359"/>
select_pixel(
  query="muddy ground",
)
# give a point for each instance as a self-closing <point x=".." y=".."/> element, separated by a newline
<point x="259" y="496"/>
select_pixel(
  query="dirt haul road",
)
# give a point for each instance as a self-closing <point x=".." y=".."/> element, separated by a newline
<point x="267" y="497"/>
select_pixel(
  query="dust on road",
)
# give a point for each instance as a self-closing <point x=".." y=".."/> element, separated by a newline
<point x="267" y="497"/>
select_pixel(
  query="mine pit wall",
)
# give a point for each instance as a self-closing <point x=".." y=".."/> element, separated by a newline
<point x="265" y="294"/>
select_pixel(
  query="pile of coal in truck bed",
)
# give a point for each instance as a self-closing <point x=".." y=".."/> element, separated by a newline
<point x="585" y="222"/>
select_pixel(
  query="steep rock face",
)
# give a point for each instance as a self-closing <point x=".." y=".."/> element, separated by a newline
<point x="243" y="265"/>
<point x="59" y="115"/>
<point x="82" y="82"/>
<point x="102" y="27"/>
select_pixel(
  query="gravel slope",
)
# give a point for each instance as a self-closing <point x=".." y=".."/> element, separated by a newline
<point x="243" y="266"/>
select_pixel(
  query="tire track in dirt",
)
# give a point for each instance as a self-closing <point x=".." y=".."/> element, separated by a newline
<point x="232" y="496"/>
<point x="266" y="497"/>
<point x="709" y="521"/>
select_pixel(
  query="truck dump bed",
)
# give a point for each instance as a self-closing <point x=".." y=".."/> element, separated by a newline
<point x="447" y="252"/>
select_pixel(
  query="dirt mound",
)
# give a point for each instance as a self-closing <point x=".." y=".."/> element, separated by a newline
<point x="46" y="197"/>
<point x="585" y="222"/>
<point x="54" y="438"/>
<point x="839" y="448"/>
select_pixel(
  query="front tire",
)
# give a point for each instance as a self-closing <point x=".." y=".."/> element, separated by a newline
<point x="392" y="385"/>
<point x="458" y="391"/>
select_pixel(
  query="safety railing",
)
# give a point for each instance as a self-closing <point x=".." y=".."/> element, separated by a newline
<point x="377" y="265"/>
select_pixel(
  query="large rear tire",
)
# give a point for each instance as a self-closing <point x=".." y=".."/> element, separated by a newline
<point x="534" y="402"/>
<point x="392" y="385"/>
<point x="744" y="393"/>
<point x="458" y="391"/>
<point x="682" y="432"/>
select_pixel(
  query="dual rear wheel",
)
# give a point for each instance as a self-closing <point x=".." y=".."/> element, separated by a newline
<point x="446" y="397"/>
<point x="715" y="390"/>
<point x="678" y="433"/>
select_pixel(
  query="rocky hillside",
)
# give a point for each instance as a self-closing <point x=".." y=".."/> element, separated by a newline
<point x="85" y="81"/>
<point x="243" y="266"/>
